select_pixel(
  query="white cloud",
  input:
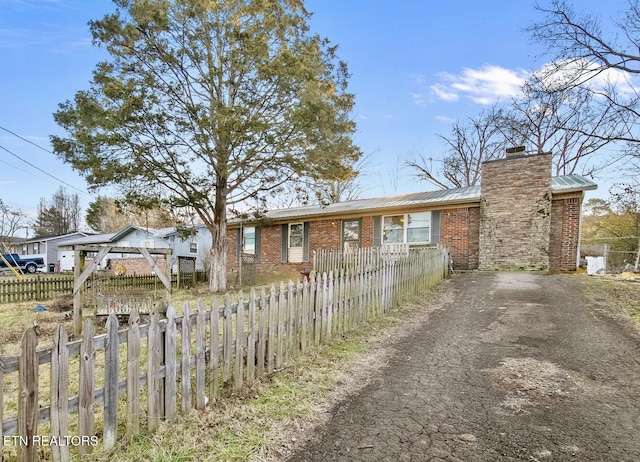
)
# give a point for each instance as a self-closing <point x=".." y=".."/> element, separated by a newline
<point x="419" y="79"/>
<point x="442" y="92"/>
<point x="445" y="119"/>
<point x="580" y="71"/>
<point x="418" y="98"/>
<point x="485" y="85"/>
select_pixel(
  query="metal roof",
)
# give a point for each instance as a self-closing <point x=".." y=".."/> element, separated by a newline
<point x="571" y="183"/>
<point x="559" y="185"/>
<point x="445" y="196"/>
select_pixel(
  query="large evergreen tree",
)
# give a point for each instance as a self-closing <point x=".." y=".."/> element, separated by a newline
<point x="209" y="104"/>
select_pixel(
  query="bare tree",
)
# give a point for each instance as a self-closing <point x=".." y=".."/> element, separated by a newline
<point x="467" y="147"/>
<point x="60" y="215"/>
<point x="604" y="66"/>
<point x="550" y="116"/>
<point x="11" y="219"/>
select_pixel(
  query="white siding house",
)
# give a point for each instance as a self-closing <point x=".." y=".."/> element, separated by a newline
<point x="49" y="248"/>
<point x="131" y="236"/>
<point x="197" y="246"/>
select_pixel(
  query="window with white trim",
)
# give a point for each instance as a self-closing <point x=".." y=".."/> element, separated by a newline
<point x="249" y="240"/>
<point x="296" y="242"/>
<point x="409" y="228"/>
<point x="296" y="235"/>
<point x="350" y="235"/>
<point x="193" y="247"/>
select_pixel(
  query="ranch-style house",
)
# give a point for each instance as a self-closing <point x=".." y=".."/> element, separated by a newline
<point x="519" y="218"/>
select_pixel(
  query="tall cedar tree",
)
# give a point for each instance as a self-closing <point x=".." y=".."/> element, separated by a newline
<point x="209" y="104"/>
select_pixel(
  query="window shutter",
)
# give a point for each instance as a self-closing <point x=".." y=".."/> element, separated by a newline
<point x="435" y="227"/>
<point x="377" y="231"/>
<point x="285" y="242"/>
<point x="305" y="241"/>
<point x="238" y="244"/>
<point x="257" y="255"/>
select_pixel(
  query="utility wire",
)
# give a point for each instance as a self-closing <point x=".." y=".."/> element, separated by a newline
<point x="19" y="168"/>
<point x="24" y="139"/>
<point x="40" y="170"/>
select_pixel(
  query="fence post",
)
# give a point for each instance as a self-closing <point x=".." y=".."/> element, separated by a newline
<point x="214" y="348"/>
<point x="87" y="383"/>
<point x="238" y="379"/>
<point x="227" y="339"/>
<point x="262" y="331"/>
<point x="133" y="375"/>
<point x="251" y="340"/>
<point x="153" y="372"/>
<point x="281" y="325"/>
<point x="110" y="423"/>
<point x="272" y="328"/>
<point x="200" y="356"/>
<point x="28" y="398"/>
<point x="185" y="365"/>
<point x="170" y="365"/>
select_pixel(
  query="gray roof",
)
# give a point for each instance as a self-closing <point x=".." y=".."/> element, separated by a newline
<point x="571" y="183"/>
<point x="560" y="184"/>
<point x="445" y="196"/>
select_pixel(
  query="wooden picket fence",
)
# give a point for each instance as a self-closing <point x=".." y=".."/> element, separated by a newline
<point x="45" y="287"/>
<point x="325" y="260"/>
<point x="145" y="372"/>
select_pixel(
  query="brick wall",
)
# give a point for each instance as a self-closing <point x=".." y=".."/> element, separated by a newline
<point x="323" y="234"/>
<point x="565" y="233"/>
<point x="459" y="232"/>
<point x="515" y="213"/>
<point x="136" y="266"/>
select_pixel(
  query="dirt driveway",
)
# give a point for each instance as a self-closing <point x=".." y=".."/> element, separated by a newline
<point x="505" y="366"/>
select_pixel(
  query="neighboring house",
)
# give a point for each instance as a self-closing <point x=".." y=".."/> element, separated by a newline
<point x="131" y="236"/>
<point x="519" y="218"/>
<point x="11" y="244"/>
<point x="196" y="247"/>
<point x="48" y="248"/>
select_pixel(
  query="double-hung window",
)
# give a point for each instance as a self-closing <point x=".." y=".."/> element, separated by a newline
<point x="296" y="242"/>
<point x="350" y="235"/>
<point x="408" y="228"/>
<point x="249" y="240"/>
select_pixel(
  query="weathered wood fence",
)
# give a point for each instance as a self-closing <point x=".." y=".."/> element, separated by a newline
<point x="44" y="287"/>
<point x="325" y="260"/>
<point x="147" y="372"/>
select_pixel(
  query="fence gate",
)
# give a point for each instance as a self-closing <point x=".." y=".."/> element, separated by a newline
<point x="186" y="272"/>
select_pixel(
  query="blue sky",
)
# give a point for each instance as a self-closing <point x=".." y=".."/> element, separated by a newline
<point x="416" y="66"/>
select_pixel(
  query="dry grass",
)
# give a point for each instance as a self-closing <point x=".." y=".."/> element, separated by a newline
<point x="618" y="295"/>
<point x="262" y="423"/>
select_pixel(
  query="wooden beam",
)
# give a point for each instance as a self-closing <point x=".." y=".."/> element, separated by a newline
<point x="77" y="283"/>
<point x="116" y="249"/>
<point x="159" y="272"/>
<point x="78" y="266"/>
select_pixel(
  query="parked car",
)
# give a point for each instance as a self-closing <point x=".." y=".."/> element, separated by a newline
<point x="13" y="260"/>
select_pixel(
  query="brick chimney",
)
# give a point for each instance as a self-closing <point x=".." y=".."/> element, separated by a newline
<point x="515" y="212"/>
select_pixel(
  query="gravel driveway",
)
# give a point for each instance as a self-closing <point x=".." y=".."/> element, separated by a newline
<point x="508" y="366"/>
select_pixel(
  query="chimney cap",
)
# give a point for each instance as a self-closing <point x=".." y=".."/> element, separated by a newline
<point x="515" y="150"/>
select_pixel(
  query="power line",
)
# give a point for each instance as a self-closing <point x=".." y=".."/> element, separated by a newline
<point x="42" y="171"/>
<point x="21" y="169"/>
<point x="25" y="139"/>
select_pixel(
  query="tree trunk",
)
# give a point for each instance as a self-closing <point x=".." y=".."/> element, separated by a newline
<point x="218" y="269"/>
